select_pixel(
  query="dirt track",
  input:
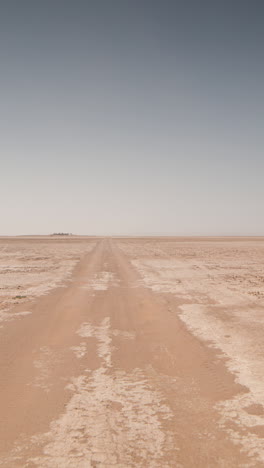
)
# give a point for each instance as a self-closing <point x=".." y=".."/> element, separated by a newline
<point x="129" y="362"/>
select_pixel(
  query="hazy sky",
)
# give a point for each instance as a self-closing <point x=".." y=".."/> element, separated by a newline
<point x="132" y="116"/>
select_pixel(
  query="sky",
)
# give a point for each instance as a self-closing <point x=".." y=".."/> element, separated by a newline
<point x="132" y="117"/>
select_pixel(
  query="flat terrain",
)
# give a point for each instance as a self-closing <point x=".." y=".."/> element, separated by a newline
<point x="131" y="352"/>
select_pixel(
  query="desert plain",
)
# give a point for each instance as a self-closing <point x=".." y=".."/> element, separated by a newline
<point x="131" y="352"/>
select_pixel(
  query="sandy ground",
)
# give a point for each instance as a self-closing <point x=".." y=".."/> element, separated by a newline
<point x="131" y="352"/>
<point x="31" y="267"/>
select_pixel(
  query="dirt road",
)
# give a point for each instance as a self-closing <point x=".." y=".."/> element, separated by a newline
<point x="104" y="372"/>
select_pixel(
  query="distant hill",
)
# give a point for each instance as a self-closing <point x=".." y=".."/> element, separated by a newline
<point x="61" y="234"/>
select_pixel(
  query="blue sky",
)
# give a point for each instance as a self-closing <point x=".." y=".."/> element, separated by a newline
<point x="132" y="117"/>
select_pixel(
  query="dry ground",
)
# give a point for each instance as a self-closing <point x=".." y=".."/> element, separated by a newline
<point x="141" y="352"/>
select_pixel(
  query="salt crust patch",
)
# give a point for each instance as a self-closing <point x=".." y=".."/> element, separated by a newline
<point x="6" y="316"/>
<point x="245" y="359"/>
<point x="42" y="365"/>
<point x="124" y="334"/>
<point x="32" y="270"/>
<point x="110" y="416"/>
<point x="101" y="281"/>
<point x="159" y="275"/>
<point x="188" y="280"/>
<point x="87" y="331"/>
<point x="80" y="350"/>
<point x="240" y="336"/>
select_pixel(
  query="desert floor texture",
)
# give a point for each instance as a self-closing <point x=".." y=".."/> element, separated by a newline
<point x="131" y="352"/>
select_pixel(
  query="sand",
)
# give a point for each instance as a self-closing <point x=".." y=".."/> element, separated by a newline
<point x="131" y="352"/>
